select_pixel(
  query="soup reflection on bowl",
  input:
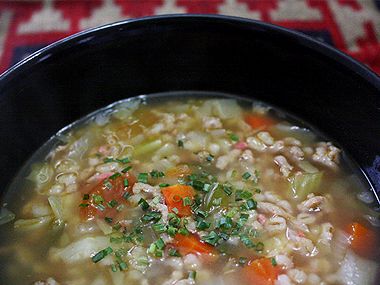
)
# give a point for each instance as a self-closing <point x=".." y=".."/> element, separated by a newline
<point x="189" y="188"/>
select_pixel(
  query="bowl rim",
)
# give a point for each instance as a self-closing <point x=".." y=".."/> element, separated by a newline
<point x="316" y="45"/>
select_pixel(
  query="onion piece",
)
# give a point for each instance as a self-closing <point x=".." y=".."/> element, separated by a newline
<point x="32" y="224"/>
<point x="56" y="205"/>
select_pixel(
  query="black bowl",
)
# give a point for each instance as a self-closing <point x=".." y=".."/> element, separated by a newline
<point x="82" y="73"/>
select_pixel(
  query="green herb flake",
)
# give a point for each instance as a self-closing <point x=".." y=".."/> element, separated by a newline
<point x="175" y="210"/>
<point x="251" y="204"/>
<point x="123" y="265"/>
<point x="107" y="184"/>
<point x="246" y="175"/>
<point x="172" y="231"/>
<point x="86" y="196"/>
<point x="142" y="178"/>
<point x="101" y="254"/>
<point x="202" y="225"/>
<point x="259" y="247"/>
<point x="183" y="231"/>
<point x="227" y="189"/>
<point x="180" y="143"/>
<point x="125" y="182"/>
<point x="127" y="195"/>
<point x="125" y="170"/>
<point x="112" y="204"/>
<point x="143" y="204"/>
<point x="156" y="174"/>
<point x="186" y="201"/>
<point x="124" y="160"/>
<point x="84" y="205"/>
<point x="97" y="199"/>
<point x="108" y="159"/>
<point x="114" y="176"/>
<point x="192" y="275"/>
<point x="159" y="228"/>
<point x="234" y="137"/>
<point x="100" y="207"/>
<point x="162" y="185"/>
<point x="273" y="261"/>
<point x="212" y="238"/>
<point x="108" y="220"/>
<point x="173" y="252"/>
<point x="113" y="268"/>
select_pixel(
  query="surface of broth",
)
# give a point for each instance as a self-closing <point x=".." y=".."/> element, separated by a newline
<point x="190" y="191"/>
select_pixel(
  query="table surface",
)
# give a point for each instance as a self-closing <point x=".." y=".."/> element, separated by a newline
<point x="352" y="26"/>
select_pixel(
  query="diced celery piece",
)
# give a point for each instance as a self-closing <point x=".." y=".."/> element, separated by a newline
<point x="306" y="183"/>
<point x="148" y="147"/>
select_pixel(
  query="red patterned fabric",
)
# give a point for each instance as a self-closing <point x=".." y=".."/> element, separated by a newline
<point x="352" y="26"/>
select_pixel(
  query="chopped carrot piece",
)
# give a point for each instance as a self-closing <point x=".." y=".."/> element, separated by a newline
<point x="258" y="122"/>
<point x="175" y="199"/>
<point x="191" y="244"/>
<point x="261" y="272"/>
<point x="178" y="171"/>
<point x="99" y="196"/>
<point x="362" y="239"/>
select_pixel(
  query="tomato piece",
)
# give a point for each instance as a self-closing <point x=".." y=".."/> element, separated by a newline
<point x="174" y="196"/>
<point x="191" y="244"/>
<point x="104" y="197"/>
<point x="261" y="272"/>
<point x="362" y="240"/>
<point x="259" y="122"/>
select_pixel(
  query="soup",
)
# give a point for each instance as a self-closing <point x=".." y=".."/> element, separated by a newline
<point x="191" y="191"/>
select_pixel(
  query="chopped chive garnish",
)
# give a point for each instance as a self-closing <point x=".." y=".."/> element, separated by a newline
<point x="120" y="208"/>
<point x="108" y="159"/>
<point x="151" y="216"/>
<point x="247" y="241"/>
<point x="164" y="185"/>
<point x="112" y="204"/>
<point x="126" y="195"/>
<point x="212" y="238"/>
<point x="160" y="244"/>
<point x="259" y="246"/>
<point x="125" y="170"/>
<point x="257" y="190"/>
<point x="234" y="137"/>
<point x="171" y="231"/>
<point x="201" y="213"/>
<point x="273" y="261"/>
<point x="175" y="210"/>
<point x="108" y="220"/>
<point x="143" y="204"/>
<point x="246" y="175"/>
<point x="192" y="275"/>
<point x="84" y="205"/>
<point x="183" y="231"/>
<point x="113" y="268"/>
<point x="114" y="176"/>
<point x="101" y="254"/>
<point x="100" y="207"/>
<point x="159" y="228"/>
<point x="217" y="201"/>
<point x="157" y="174"/>
<point x="186" y="201"/>
<point x="142" y="178"/>
<point x="180" y="143"/>
<point x="97" y="199"/>
<point x="202" y="225"/>
<point x="124" y="160"/>
<point x="227" y="189"/>
<point x="107" y="184"/>
<point x="86" y="196"/>
<point x="126" y="182"/>
<point x="173" y="252"/>
<point x="242" y="195"/>
<point x="251" y="204"/>
<point x="123" y="265"/>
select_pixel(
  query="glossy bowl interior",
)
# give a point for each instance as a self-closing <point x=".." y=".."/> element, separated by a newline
<point x="80" y="74"/>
